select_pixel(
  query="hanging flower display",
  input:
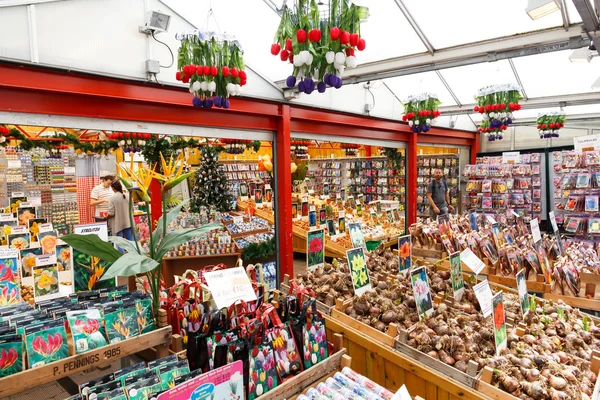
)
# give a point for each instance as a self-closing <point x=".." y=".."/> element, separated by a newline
<point x="497" y="104"/>
<point x="213" y="66"/>
<point x="130" y="142"/>
<point x="421" y="111"/>
<point x="351" y="149"/>
<point x="320" y="48"/>
<point x="549" y="124"/>
<point x="235" y="146"/>
<point x="299" y="147"/>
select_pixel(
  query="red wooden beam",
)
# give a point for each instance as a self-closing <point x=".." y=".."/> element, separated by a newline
<point x="411" y="187"/>
<point x="284" y="194"/>
<point x="475" y="148"/>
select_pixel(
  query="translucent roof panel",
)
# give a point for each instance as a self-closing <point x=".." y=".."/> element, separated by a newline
<point x="232" y="17"/>
<point x="467" y="80"/>
<point x="552" y="74"/>
<point x="410" y="85"/>
<point x="475" y="20"/>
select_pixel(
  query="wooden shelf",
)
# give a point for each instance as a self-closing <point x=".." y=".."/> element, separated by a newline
<point x="202" y="256"/>
<point x="30" y="378"/>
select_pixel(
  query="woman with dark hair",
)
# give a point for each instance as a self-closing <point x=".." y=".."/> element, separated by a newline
<point x="118" y="213"/>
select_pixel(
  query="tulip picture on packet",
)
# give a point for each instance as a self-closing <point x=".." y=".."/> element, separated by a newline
<point x="46" y="344"/>
<point x="11" y="357"/>
<point x="87" y="328"/>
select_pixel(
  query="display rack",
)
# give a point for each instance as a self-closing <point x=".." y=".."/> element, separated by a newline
<point x="427" y="164"/>
<point x="159" y="339"/>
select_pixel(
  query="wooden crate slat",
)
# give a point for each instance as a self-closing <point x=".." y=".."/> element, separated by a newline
<point x="366" y="330"/>
<point x="71" y="365"/>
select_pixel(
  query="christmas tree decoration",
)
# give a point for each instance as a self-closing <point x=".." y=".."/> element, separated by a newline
<point x="210" y="188"/>
<point x="421" y="111"/>
<point x="213" y="66"/>
<point x="496" y="104"/>
<point x="549" y="123"/>
<point x="319" y="41"/>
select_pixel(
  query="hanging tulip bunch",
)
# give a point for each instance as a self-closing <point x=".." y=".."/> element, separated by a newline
<point x="421" y="111"/>
<point x="299" y="147"/>
<point x="235" y="146"/>
<point x="320" y="49"/>
<point x="130" y="142"/>
<point x="351" y="149"/>
<point x="496" y="105"/>
<point x="549" y="124"/>
<point x="213" y="66"/>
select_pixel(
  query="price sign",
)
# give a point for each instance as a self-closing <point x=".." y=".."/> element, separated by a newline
<point x="511" y="157"/>
<point x="45" y="227"/>
<point x="69" y="170"/>
<point x="14" y="163"/>
<point x="20" y="230"/>
<point x="535" y="230"/>
<point x="26" y="204"/>
<point x="472" y="261"/>
<point x="484" y="296"/>
<point x="45" y="260"/>
<point x="553" y="222"/>
<point x="6" y="217"/>
<point x="229" y="285"/>
<point x="9" y="253"/>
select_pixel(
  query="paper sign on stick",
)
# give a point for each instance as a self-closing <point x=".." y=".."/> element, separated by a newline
<point x="229" y="285"/>
<point x="484" y="297"/>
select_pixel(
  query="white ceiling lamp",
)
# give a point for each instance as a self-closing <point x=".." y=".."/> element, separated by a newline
<point x="539" y="8"/>
<point x="581" y="55"/>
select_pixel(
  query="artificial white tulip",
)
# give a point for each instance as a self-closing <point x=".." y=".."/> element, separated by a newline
<point x="196" y="86"/>
<point x="230" y="88"/>
<point x="340" y="58"/>
<point x="142" y="143"/>
<point x="309" y="59"/>
<point x="427" y="121"/>
<point x="204" y="86"/>
<point x="340" y="71"/>
<point x="484" y="117"/>
<point x="297" y="61"/>
<point x="238" y="90"/>
<point x="329" y="56"/>
<point x="2" y="139"/>
<point x="351" y="61"/>
<point x="129" y="142"/>
<point x="502" y="115"/>
<point x="410" y="123"/>
<point x="192" y="89"/>
<point x="122" y="143"/>
<point x="303" y="56"/>
<point x="212" y="86"/>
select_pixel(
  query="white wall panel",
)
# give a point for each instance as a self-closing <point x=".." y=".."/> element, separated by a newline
<point x="14" y="33"/>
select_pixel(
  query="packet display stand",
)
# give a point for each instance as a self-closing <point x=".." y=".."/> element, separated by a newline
<point x="159" y="339"/>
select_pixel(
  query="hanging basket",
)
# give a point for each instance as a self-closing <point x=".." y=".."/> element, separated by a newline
<point x="299" y="147"/>
<point x="235" y="146"/>
<point x="549" y="124"/>
<point x="320" y="42"/>
<point x="350" y="149"/>
<point x="212" y="65"/>
<point x="130" y="142"/>
<point x="421" y="111"/>
<point x="497" y="104"/>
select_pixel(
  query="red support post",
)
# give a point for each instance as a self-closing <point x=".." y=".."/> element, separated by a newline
<point x="411" y="190"/>
<point x="284" y="194"/>
<point x="475" y="148"/>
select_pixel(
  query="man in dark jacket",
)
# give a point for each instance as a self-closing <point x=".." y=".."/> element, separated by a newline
<point x="437" y="194"/>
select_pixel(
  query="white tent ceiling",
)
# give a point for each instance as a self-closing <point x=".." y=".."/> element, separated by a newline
<point x="405" y="28"/>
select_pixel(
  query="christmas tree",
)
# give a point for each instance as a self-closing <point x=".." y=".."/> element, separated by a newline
<point x="210" y="188"/>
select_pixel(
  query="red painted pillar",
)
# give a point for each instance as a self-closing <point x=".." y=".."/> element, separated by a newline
<point x="411" y="189"/>
<point x="368" y="151"/>
<point x="475" y="148"/>
<point x="284" y="194"/>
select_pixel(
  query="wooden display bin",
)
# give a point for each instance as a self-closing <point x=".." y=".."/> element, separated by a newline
<point x="332" y="249"/>
<point x="30" y="378"/>
<point x="437" y="252"/>
<point x="589" y="293"/>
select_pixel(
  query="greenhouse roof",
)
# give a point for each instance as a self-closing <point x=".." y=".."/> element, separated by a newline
<point x="451" y="48"/>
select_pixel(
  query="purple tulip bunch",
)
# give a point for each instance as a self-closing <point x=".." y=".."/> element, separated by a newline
<point x="217" y="101"/>
<point x="308" y="85"/>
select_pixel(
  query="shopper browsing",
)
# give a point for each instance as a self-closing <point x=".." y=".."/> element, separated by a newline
<point x="118" y="212"/>
<point x="100" y="195"/>
<point x="437" y="194"/>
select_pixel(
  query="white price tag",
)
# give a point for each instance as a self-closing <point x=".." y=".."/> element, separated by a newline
<point x="7" y="217"/>
<point x="14" y="163"/>
<point x="229" y="285"/>
<point x="26" y="204"/>
<point x="9" y="253"/>
<point x="511" y="157"/>
<point x="471" y="260"/>
<point x="17" y="194"/>
<point x="484" y="297"/>
<point x="45" y="260"/>
<point x="35" y="201"/>
<point x="45" y="227"/>
<point x="19" y="230"/>
<point x="535" y="230"/>
<point x="69" y="170"/>
<point x="402" y="394"/>
<point x="553" y="222"/>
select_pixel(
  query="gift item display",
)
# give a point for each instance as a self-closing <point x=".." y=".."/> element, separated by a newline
<point x="427" y="164"/>
<point x="45" y="184"/>
<point x="244" y="171"/>
<point x="498" y="188"/>
<point x="576" y="187"/>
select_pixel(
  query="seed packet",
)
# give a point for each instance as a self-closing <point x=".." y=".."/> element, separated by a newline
<point x="537" y="194"/>
<point x="583" y="181"/>
<point x="11" y="355"/>
<point x="46" y="343"/>
<point x="594" y="226"/>
<point x="84" y="387"/>
<point x="117" y="394"/>
<point x="486" y="186"/>
<point x="87" y="328"/>
<point x="510" y="183"/>
<point x="169" y="372"/>
<point x="486" y="203"/>
<point x="156" y="364"/>
<point x="132" y="370"/>
<point x="121" y="323"/>
<point x="10" y="288"/>
<point x="536" y="182"/>
<point x="104" y="388"/>
<point x="591" y="203"/>
<point x="141" y="389"/>
<point x="537" y="206"/>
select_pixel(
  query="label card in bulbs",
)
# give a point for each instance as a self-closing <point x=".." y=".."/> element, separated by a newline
<point x="484" y="297"/>
<point x="535" y="230"/>
<point x="472" y="261"/>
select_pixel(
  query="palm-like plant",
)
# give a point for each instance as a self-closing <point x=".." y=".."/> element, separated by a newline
<point x="136" y="261"/>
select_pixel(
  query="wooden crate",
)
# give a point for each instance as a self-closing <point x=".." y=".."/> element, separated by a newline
<point x="539" y="286"/>
<point x="158" y="339"/>
<point x="332" y="249"/>
<point x="392" y="369"/>
<point x="386" y="338"/>
<point x="323" y="308"/>
<point x="589" y="293"/>
<point x="437" y="252"/>
<point x="311" y="377"/>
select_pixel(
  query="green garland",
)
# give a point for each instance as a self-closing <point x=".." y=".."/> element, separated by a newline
<point x="259" y="251"/>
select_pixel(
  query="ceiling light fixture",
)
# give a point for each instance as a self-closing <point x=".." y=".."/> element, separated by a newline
<point x="539" y="8"/>
<point x="581" y="55"/>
